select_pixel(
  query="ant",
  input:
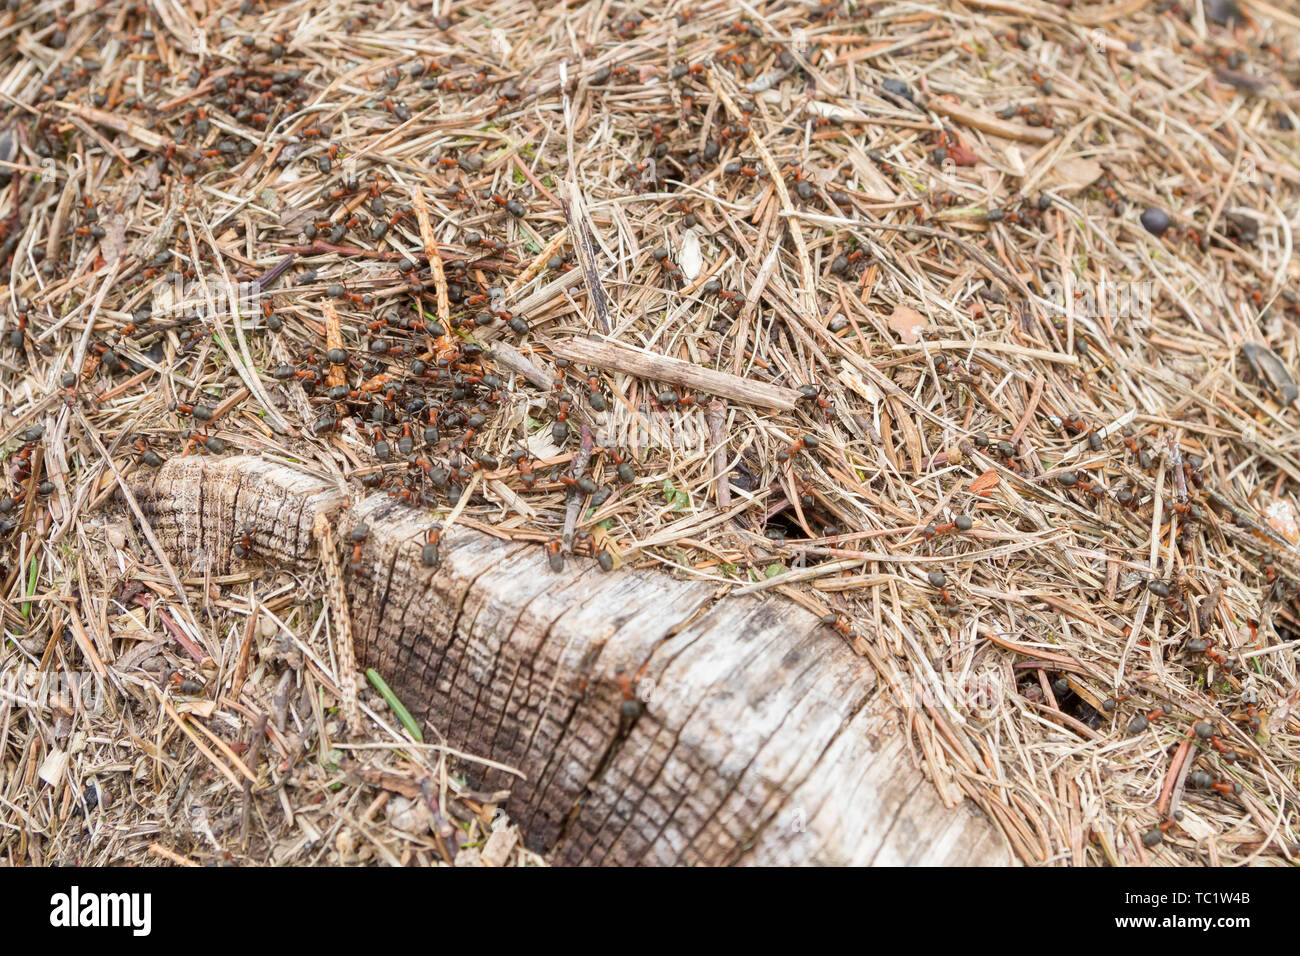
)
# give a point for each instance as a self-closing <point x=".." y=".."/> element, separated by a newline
<point x="1141" y="722"/>
<point x="810" y="442"/>
<point x="1251" y="713"/>
<point x="357" y="537"/>
<point x="939" y="580"/>
<point x="1003" y="215"/>
<point x="1276" y="586"/>
<point x="1206" y="732"/>
<point x="244" y="544"/>
<point x="803" y="188"/>
<point x="554" y="556"/>
<point x="21" y="469"/>
<point x="307" y="376"/>
<point x="813" y="395"/>
<point x="595" y="397"/>
<point x="209" y="443"/>
<point x="841" y="264"/>
<point x="631" y="707"/>
<point x="626" y="471"/>
<point x="1127" y="499"/>
<point x="960" y="523"/>
<point x="524" y="464"/>
<point x="676" y="397"/>
<point x="1070" y="479"/>
<point x="943" y="365"/>
<point x="201" y="412"/>
<point x="68" y="384"/>
<point x="841" y="623"/>
<point x="1162" y="590"/>
<point x="560" y="427"/>
<point x="10" y="502"/>
<point x="584" y="540"/>
<point x="147" y="455"/>
<point x="15" y="336"/>
<point x="585" y="484"/>
<point x="1226" y="787"/>
<point x="429" y="555"/>
<point x="1074" y="423"/>
<point x="1155" y="836"/>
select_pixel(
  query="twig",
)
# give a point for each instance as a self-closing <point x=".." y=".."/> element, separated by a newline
<point x="622" y="358"/>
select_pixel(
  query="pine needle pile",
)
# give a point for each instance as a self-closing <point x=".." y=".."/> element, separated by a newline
<point x="970" y="325"/>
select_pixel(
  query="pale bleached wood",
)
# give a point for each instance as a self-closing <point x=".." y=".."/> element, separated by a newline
<point x="662" y="368"/>
<point x="764" y="739"/>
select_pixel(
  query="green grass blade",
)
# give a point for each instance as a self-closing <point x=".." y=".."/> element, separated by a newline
<point x="395" y="705"/>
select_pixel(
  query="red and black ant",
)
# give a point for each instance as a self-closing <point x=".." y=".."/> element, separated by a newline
<point x="357" y="537"/>
<point x="429" y="555"/>
<point x="243" y="546"/>
<point x="553" y="555"/>
<point x="810" y="442"/>
<point x="841" y="623"/>
<point x="813" y="395"/>
<point x="524" y="465"/>
<point x="960" y="523"/>
<point x="631" y="707"/>
<point x="624" y="468"/>
<point x="939" y="580"/>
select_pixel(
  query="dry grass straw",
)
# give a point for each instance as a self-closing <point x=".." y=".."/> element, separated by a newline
<point x="199" y="755"/>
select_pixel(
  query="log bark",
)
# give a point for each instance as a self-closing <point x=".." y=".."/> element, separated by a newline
<point x="764" y="738"/>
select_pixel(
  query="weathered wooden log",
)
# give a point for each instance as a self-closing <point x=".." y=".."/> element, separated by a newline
<point x="764" y="739"/>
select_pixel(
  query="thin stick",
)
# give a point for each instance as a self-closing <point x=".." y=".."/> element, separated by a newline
<point x="987" y="123"/>
<point x="587" y="256"/>
<point x="661" y="368"/>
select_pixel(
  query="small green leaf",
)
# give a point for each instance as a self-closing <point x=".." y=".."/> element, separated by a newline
<point x="32" y="572"/>
<point x="677" y="499"/>
<point x="399" y="711"/>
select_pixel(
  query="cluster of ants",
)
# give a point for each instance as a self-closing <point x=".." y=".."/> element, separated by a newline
<point x="424" y="409"/>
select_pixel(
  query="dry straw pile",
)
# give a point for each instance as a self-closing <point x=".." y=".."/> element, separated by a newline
<point x="970" y="325"/>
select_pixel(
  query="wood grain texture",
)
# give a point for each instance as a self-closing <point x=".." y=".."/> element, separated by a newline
<point x="763" y="740"/>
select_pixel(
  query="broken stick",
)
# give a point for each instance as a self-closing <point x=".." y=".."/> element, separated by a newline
<point x="988" y="123"/>
<point x="621" y="358"/>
